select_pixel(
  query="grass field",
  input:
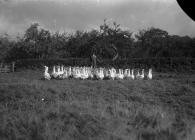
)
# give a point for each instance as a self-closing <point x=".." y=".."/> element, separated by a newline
<point x="158" y="109"/>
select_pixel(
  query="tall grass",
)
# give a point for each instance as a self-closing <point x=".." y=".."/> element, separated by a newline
<point x="160" y="109"/>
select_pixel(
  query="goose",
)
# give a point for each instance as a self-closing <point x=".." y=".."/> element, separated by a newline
<point x="126" y="74"/>
<point x="61" y="70"/>
<point x="142" y="75"/>
<point x="132" y="74"/>
<point x="90" y="72"/>
<point x="120" y="74"/>
<point x="106" y="74"/>
<point x="129" y="74"/>
<point x="112" y="73"/>
<point x="74" y="73"/>
<point x="150" y="74"/>
<point x="61" y="73"/>
<point x="100" y="74"/>
<point x="87" y="73"/>
<point x="58" y="70"/>
<point x="116" y="75"/>
<point x="54" y="73"/>
<point x="70" y="72"/>
<point x="91" y="76"/>
<point x="97" y="73"/>
<point x="138" y="76"/>
<point x="77" y="74"/>
<point x="84" y="73"/>
<point x="46" y="74"/>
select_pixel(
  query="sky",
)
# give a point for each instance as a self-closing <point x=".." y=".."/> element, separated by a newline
<point x="70" y="15"/>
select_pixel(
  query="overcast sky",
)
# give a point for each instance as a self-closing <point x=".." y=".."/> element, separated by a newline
<point x="70" y="15"/>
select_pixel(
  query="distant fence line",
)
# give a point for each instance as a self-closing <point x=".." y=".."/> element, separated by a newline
<point x="7" y="67"/>
<point x="159" y="64"/>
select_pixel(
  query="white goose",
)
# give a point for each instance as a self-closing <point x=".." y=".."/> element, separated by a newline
<point x="84" y="73"/>
<point x="150" y="74"/>
<point x="132" y="74"/>
<point x="126" y="74"/>
<point x="70" y="72"/>
<point x="46" y="74"/>
<point x="129" y="74"/>
<point x="54" y="73"/>
<point x="142" y="75"/>
<point x="112" y="73"/>
<point x="61" y="72"/>
<point x="91" y="74"/>
<point x="74" y="72"/>
<point x="100" y="74"/>
<point x="120" y="74"/>
<point x="65" y="74"/>
<point x="77" y="74"/>
<point x="90" y="71"/>
<point x="138" y="76"/>
<point x="106" y="73"/>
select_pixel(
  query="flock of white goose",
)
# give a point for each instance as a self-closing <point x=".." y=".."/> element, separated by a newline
<point x="61" y="72"/>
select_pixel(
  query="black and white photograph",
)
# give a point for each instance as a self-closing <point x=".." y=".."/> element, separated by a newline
<point x="97" y="70"/>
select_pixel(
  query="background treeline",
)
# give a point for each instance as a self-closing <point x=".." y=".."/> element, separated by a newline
<point x="148" y="44"/>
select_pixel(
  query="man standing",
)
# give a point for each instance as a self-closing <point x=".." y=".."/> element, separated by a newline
<point x="94" y="60"/>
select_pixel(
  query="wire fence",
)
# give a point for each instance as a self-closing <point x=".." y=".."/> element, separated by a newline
<point x="159" y="64"/>
<point x="7" y="67"/>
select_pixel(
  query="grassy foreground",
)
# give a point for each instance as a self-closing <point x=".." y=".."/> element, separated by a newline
<point x="34" y="109"/>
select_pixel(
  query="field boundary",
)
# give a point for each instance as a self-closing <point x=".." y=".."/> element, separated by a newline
<point x="8" y="67"/>
<point x="159" y="64"/>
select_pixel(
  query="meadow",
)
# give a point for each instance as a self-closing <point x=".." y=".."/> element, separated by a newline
<point x="72" y="109"/>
